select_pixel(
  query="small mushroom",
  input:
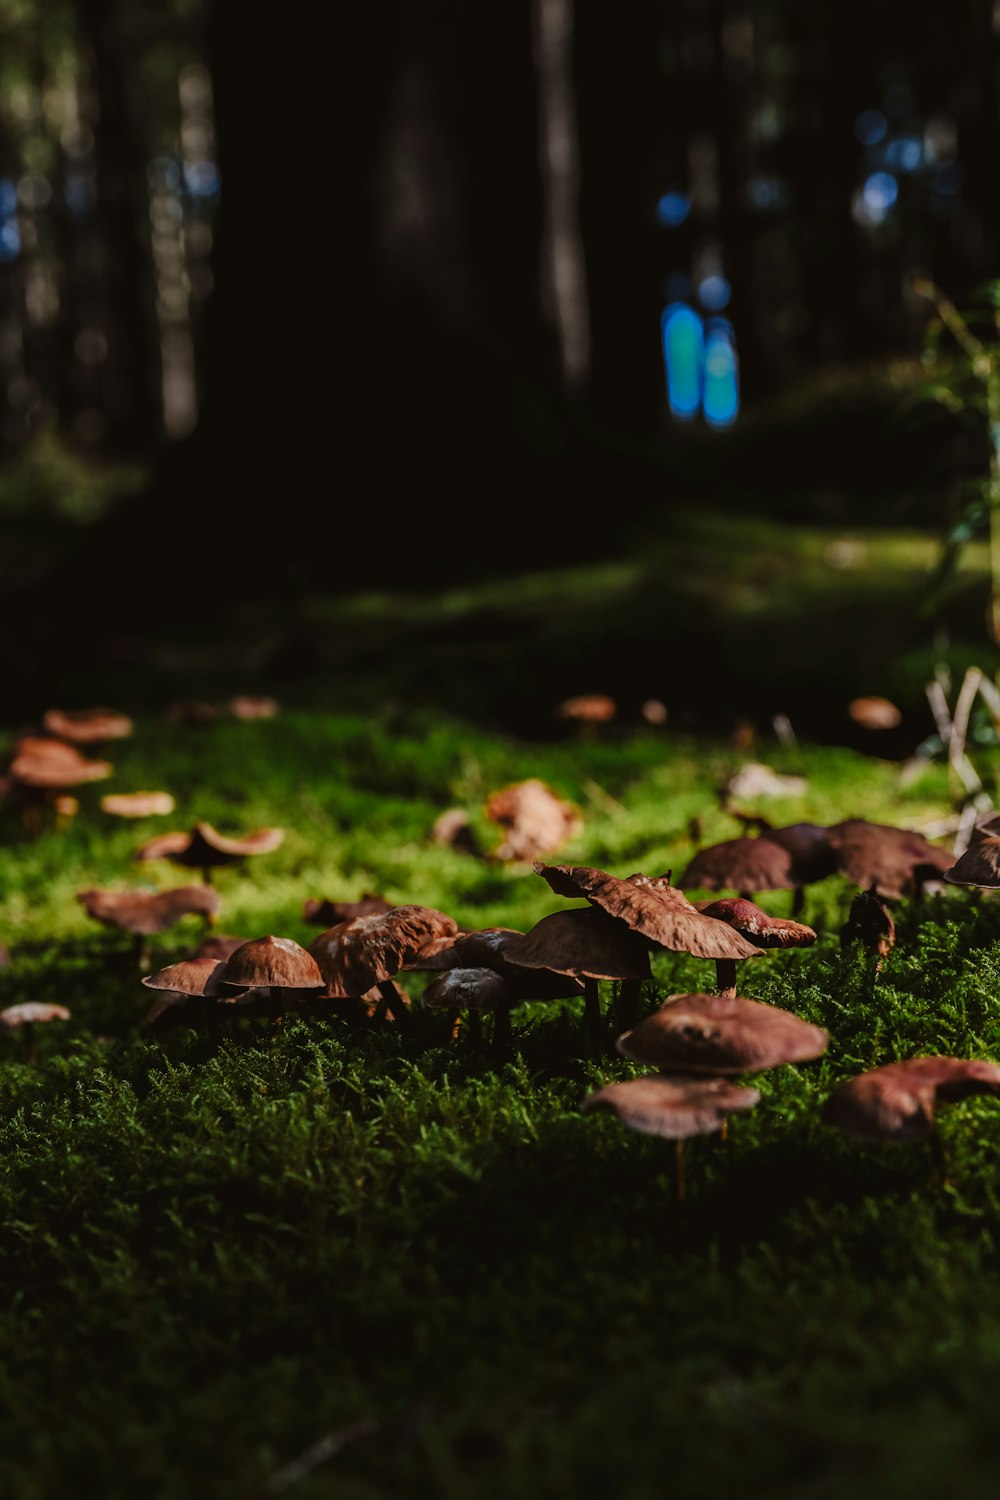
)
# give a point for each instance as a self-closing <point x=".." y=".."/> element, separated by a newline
<point x="897" y="860"/>
<point x="757" y="927"/>
<point x="721" y="1034"/>
<point x="588" y="710"/>
<point x="27" y="1016"/>
<point x="898" y="1103"/>
<point x="246" y="706"/>
<point x="191" y="992"/>
<point x="874" y="713"/>
<point x="474" y="990"/>
<point x="143" y="912"/>
<point x="87" y="726"/>
<point x="275" y="964"/>
<point x="536" y="820"/>
<point x="204" y="848"/>
<point x="367" y="952"/>
<point x="869" y="923"/>
<point x="453" y="830"/>
<point x="979" y="865"/>
<point x="137" y="804"/>
<point x="674" y="1107"/>
<point x="743" y="865"/>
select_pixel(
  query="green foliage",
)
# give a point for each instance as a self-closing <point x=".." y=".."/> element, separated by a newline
<point x="213" y="1253"/>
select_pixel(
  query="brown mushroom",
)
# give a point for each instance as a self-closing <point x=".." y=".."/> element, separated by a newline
<point x="204" y="848"/>
<point x="897" y="1103"/>
<point x="137" y="804"/>
<point x="245" y="706"/>
<point x="319" y="912"/>
<point x="277" y="965"/>
<point x="743" y="865"/>
<point x="897" y="860"/>
<point x="979" y="865"/>
<point x="812" y="855"/>
<point x="587" y="710"/>
<point x="874" y="713"/>
<point x="869" y="923"/>
<point x="721" y="1034"/>
<point x="50" y="765"/>
<point x="144" y="912"/>
<point x="453" y="830"/>
<point x="674" y="1107"/>
<point x="474" y="990"/>
<point x="537" y="821"/>
<point x="356" y="956"/>
<point x="757" y="927"/>
<point x="27" y="1016"/>
<point x="87" y="726"/>
<point x="191" y="991"/>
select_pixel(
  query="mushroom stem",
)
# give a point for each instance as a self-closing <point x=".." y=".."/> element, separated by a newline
<point x="474" y="1027"/>
<point x="592" y="1012"/>
<point x="139" y="949"/>
<point x="628" y="1004"/>
<point x="394" y="1003"/>
<point x="725" y="976"/>
<point x="798" y="900"/>
<point x="679" y="1170"/>
<point x="724" y="1131"/>
<point x="503" y="1036"/>
<point x="454" y="1023"/>
<point x="30" y="1044"/>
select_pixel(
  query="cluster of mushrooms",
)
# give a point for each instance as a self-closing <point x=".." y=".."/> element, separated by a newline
<point x="695" y="1045"/>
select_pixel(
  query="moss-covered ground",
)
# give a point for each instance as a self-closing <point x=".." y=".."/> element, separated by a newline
<point x="217" y="1254"/>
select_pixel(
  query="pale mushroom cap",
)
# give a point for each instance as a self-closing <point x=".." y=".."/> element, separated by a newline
<point x="650" y="907"/>
<point x="587" y="944"/>
<point x="874" y="713"/>
<point x="536" y="819"/>
<point x="193" y="976"/>
<point x="30" y="1013"/>
<point x="148" y="912"/>
<point x="741" y="865"/>
<point x="271" y="963"/>
<point x="468" y="989"/>
<point x="246" y="706"/>
<point x="356" y="955"/>
<point x="721" y="1034"/>
<point x="589" y="708"/>
<point x="897" y="1103"/>
<point x="672" y="1107"/>
<point x="979" y="865"/>
<point x="767" y="932"/>
<point x="137" y="804"/>
<point x="88" y="726"/>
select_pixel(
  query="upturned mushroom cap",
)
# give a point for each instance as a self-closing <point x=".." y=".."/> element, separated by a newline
<point x="468" y="989"/>
<point x="356" y="955"/>
<point x="747" y="919"/>
<point x="204" y="847"/>
<point x="721" y="1034"/>
<point x="51" y="765"/>
<point x="275" y="963"/>
<point x="323" y="913"/>
<point x="741" y="865"/>
<point x="650" y="907"/>
<point x="193" y="976"/>
<point x="88" y="726"/>
<point x="485" y="950"/>
<point x="897" y="860"/>
<point x="536" y="820"/>
<point x="137" y="804"/>
<point x="897" y="1102"/>
<point x="586" y="944"/>
<point x="147" y="912"/>
<point x="673" y="1107"/>
<point x="979" y="865"/>
<point x="31" y="1013"/>
<point x="870" y="923"/>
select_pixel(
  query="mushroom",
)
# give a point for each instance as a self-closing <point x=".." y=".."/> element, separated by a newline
<point x="87" y="726"/>
<point x="474" y="990"/>
<point x="587" y="945"/>
<point x="453" y="830"/>
<point x="870" y="923"/>
<point x="587" y="710"/>
<point x="144" y="912"/>
<point x="323" y="913"/>
<point x="812" y="855"/>
<point x="898" y="1103"/>
<point x="757" y="927"/>
<point x="674" y="1107"/>
<point x="42" y="768"/>
<point x="204" y="848"/>
<point x="245" y="706"/>
<point x="366" y="952"/>
<point x="484" y="950"/>
<point x="743" y="865"/>
<point x="273" y="964"/>
<point x="655" y="911"/>
<point x="897" y="860"/>
<point x="191" y="991"/>
<point x="874" y="713"/>
<point x="536" y="820"/>
<point x="137" y="804"/>
<point x="979" y="865"/>
<point x="27" y="1016"/>
<point x="721" y="1034"/>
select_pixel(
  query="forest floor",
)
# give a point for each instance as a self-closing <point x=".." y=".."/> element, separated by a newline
<point x="216" y="1255"/>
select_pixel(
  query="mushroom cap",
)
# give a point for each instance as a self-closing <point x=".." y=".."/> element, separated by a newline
<point x="897" y="1102"/>
<point x="356" y="955"/>
<point x="193" y="976"/>
<point x="537" y="821"/>
<point x="87" y="726"/>
<point x="247" y="706"/>
<point x="813" y="856"/>
<point x="673" y="1107"/>
<point x="137" y="804"/>
<point x="874" y="713"/>
<point x="148" y="911"/>
<point x="869" y="922"/>
<point x="52" y="765"/>
<point x="485" y="950"/>
<point x="897" y="860"/>
<point x="979" y="865"/>
<point x="270" y="962"/>
<point x="453" y="830"/>
<point x="31" y="1012"/>
<point x="721" y="1034"/>
<point x="468" y="989"/>
<point x="650" y="907"/>
<point x="589" y="708"/>
<point x="204" y="847"/>
<point x="587" y="944"/>
<point x="322" y="913"/>
<point x="741" y="865"/>
<point x="748" y="920"/>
